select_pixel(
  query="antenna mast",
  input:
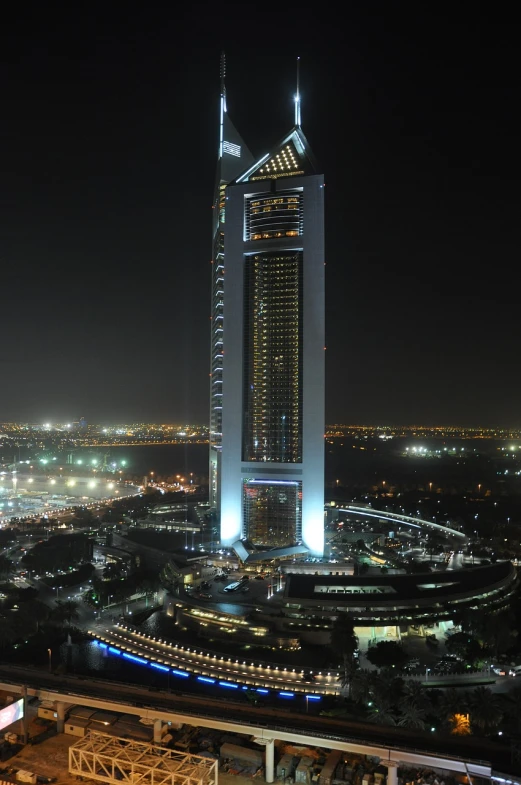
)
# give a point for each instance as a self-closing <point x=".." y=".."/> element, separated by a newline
<point x="297" y="96"/>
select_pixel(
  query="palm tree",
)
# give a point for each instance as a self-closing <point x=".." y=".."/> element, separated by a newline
<point x="415" y="693"/>
<point x="35" y="611"/>
<point x="450" y="703"/>
<point x="485" y="709"/>
<point x="65" y="611"/>
<point x="8" y="633"/>
<point x="512" y="709"/>
<point x="382" y="712"/>
<point x="412" y="716"/>
<point x="364" y="686"/>
<point x="344" y="643"/>
<point x="6" y="567"/>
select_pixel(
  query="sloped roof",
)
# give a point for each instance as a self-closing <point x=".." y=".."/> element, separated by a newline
<point x="252" y="556"/>
<point x="290" y="157"/>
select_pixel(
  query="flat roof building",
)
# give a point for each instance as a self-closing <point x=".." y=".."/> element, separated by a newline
<point x="312" y="602"/>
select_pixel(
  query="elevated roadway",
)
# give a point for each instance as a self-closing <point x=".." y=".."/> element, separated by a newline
<point x="404" y="520"/>
<point x="394" y="746"/>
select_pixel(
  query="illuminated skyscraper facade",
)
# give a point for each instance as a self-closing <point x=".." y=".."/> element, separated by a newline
<point x="267" y="376"/>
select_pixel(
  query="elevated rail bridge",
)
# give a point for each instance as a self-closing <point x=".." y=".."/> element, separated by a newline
<point x="393" y="746"/>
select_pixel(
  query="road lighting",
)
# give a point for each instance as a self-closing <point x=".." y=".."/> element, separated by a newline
<point x="49" y="652"/>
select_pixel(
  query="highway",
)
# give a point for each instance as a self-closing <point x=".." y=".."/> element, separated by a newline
<point x="465" y="755"/>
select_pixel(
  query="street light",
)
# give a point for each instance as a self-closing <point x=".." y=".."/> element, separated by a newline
<point x="49" y="652"/>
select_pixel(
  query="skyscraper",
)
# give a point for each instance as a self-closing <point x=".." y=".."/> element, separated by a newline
<point x="267" y="375"/>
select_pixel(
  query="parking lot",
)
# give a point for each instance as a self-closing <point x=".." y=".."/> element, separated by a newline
<point x="248" y="589"/>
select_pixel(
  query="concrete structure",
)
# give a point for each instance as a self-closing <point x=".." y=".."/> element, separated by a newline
<point x="268" y="322"/>
<point x="313" y="732"/>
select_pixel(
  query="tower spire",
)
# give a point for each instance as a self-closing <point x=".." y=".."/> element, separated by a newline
<point x="222" y="107"/>
<point x="297" y="96"/>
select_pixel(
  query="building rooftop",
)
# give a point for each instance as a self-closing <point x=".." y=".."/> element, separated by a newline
<point x="397" y="587"/>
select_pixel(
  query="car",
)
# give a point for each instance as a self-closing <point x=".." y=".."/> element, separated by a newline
<point x="205" y="585"/>
<point x="515" y="671"/>
<point x="259" y="577"/>
<point x="498" y="670"/>
<point x="205" y="596"/>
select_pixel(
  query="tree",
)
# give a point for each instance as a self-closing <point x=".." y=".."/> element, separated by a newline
<point x="6" y="567"/>
<point x="412" y="716"/>
<point x="112" y="571"/>
<point x="387" y="654"/>
<point x="8" y="633"/>
<point x="415" y="693"/>
<point x="36" y="611"/>
<point x="344" y="643"/>
<point x="512" y="710"/>
<point x="466" y="646"/>
<point x="450" y="703"/>
<point x="485" y="709"/>
<point x="382" y="712"/>
<point x="364" y="685"/>
<point x="65" y="611"/>
<point x="460" y="725"/>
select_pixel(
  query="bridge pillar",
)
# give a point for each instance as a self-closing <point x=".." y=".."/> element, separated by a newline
<point x="270" y="761"/>
<point x="392" y="772"/>
<point x="158" y="732"/>
<point x="60" y="721"/>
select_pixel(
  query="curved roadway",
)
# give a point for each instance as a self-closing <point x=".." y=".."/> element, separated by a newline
<point x="195" y="660"/>
<point x="407" y="520"/>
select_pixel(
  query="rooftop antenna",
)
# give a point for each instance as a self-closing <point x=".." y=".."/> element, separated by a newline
<point x="222" y="104"/>
<point x="297" y="96"/>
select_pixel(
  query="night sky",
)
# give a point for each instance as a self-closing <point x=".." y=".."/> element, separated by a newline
<point x="108" y="153"/>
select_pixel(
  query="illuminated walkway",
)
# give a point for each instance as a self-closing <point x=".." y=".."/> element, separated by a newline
<point x="186" y="661"/>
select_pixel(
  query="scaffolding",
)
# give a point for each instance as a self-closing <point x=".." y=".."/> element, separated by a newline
<point x="117" y="761"/>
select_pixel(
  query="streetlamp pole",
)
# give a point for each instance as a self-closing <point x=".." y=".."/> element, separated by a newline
<point x="49" y="652"/>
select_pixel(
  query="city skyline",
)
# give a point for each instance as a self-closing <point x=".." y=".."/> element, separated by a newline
<point x="108" y="161"/>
